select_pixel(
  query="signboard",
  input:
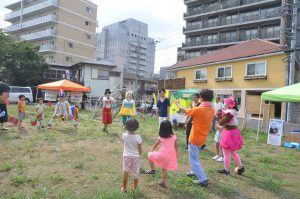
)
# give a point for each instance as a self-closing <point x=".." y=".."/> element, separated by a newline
<point x="76" y="98"/>
<point x="275" y="132"/>
<point x="51" y="96"/>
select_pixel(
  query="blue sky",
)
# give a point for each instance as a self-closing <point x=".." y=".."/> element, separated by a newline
<point x="164" y="19"/>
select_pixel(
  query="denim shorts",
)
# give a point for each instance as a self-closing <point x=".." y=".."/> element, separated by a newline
<point x="21" y="116"/>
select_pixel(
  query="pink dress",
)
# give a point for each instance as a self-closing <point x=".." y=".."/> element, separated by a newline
<point x="231" y="139"/>
<point x="166" y="157"/>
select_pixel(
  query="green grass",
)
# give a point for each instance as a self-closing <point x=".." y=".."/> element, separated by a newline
<point x="6" y="166"/>
<point x="86" y="163"/>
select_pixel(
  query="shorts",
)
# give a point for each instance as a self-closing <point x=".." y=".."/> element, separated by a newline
<point x="107" y="116"/>
<point x="21" y="116"/>
<point x="3" y="114"/>
<point x="218" y="136"/>
<point x="132" y="164"/>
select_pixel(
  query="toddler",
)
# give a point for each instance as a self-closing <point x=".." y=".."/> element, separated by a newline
<point x="131" y="153"/>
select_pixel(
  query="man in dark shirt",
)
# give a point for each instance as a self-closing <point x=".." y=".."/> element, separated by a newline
<point x="163" y="106"/>
<point x="4" y="93"/>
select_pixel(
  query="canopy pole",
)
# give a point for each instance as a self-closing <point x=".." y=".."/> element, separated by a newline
<point x="259" y="117"/>
<point x="36" y="96"/>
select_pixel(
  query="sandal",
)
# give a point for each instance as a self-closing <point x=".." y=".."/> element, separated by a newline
<point x="162" y="184"/>
<point x="123" y="189"/>
<point x="132" y="187"/>
<point x="150" y="172"/>
<point x="224" y="171"/>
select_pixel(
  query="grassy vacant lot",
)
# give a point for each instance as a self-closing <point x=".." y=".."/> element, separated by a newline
<point x="86" y="163"/>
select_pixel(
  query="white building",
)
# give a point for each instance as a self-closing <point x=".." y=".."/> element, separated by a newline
<point x="127" y="45"/>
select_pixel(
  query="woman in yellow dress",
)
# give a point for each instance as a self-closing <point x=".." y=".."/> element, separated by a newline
<point x="128" y="107"/>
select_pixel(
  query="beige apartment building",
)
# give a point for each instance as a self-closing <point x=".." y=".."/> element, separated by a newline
<point x="64" y="30"/>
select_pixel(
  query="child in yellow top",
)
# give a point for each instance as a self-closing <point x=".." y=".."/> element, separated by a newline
<point x="128" y="107"/>
<point x="21" y="108"/>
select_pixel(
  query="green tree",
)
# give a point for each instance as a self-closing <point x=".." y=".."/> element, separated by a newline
<point x="20" y="62"/>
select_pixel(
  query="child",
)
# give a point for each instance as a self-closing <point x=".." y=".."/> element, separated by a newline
<point x="107" y="114"/>
<point x="4" y="93"/>
<point x="128" y="107"/>
<point x="231" y="140"/>
<point x="218" y="157"/>
<point x="62" y="110"/>
<point x="40" y="113"/>
<point x="166" y="157"/>
<point x="21" y="108"/>
<point x="131" y="153"/>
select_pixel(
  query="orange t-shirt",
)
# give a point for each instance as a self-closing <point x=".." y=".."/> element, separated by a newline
<point x="21" y="106"/>
<point x="202" y="121"/>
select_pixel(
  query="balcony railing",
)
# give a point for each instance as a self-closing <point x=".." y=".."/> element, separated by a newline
<point x="224" y="5"/>
<point x="47" y="47"/>
<point x="30" y="23"/>
<point x="240" y="19"/>
<point x="40" y="20"/>
<point x="31" y="9"/>
<point x="243" y="37"/>
<point x="38" y="35"/>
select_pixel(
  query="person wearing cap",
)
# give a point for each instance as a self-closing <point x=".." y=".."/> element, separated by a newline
<point x="62" y="110"/>
<point x="106" y="112"/>
<point x="4" y="94"/>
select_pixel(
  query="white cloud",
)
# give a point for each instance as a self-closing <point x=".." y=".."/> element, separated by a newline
<point x="162" y="16"/>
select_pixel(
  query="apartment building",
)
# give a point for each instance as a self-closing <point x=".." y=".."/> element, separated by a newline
<point x="127" y="44"/>
<point x="215" y="24"/>
<point x="64" y="30"/>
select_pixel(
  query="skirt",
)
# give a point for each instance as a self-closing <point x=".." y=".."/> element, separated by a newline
<point x="107" y="116"/>
<point x="231" y="139"/>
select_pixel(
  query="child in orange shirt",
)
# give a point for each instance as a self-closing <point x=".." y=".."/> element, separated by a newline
<point x="202" y="120"/>
<point x="21" y="108"/>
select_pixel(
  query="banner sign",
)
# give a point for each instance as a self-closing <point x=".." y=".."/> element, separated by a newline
<point x="275" y="132"/>
<point x="76" y="98"/>
<point x="51" y="96"/>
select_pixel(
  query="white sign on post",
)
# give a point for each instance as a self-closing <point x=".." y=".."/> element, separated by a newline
<point x="275" y="132"/>
<point x="51" y="96"/>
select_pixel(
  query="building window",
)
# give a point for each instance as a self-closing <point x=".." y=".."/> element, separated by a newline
<point x="201" y="74"/>
<point x="248" y="34"/>
<point x="270" y="32"/>
<point x="69" y="59"/>
<point x="231" y="19"/>
<point x="70" y="45"/>
<point x="87" y="23"/>
<point x="89" y="10"/>
<point x="100" y="74"/>
<point x="55" y="74"/>
<point x="88" y="36"/>
<point x="257" y="69"/>
<point x="224" y="72"/>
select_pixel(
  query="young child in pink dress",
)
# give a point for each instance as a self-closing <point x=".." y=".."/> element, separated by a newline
<point x="166" y="157"/>
<point x="231" y="140"/>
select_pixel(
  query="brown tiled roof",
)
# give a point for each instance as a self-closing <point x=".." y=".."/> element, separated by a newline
<point x="245" y="49"/>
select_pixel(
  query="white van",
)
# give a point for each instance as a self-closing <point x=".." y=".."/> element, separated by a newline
<point x="15" y="91"/>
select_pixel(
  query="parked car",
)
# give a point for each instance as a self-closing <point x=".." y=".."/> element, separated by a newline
<point x="15" y="91"/>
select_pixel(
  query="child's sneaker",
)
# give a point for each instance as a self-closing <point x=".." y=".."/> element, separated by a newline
<point x="49" y="126"/>
<point x="224" y="171"/>
<point x="216" y="157"/>
<point x="220" y="159"/>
